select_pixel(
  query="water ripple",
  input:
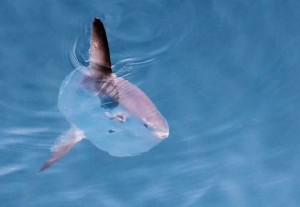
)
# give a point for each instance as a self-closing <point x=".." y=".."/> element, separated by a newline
<point x="5" y="170"/>
<point x="138" y="33"/>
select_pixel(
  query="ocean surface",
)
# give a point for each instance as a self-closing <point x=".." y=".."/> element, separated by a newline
<point x="225" y="74"/>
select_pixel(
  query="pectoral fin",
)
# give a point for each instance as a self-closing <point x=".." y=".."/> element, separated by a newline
<point x="64" y="144"/>
<point x="119" y="116"/>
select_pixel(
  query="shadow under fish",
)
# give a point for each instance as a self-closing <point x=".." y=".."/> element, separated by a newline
<point x="109" y="111"/>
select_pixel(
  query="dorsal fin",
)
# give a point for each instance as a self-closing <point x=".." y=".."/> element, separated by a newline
<point x="99" y="50"/>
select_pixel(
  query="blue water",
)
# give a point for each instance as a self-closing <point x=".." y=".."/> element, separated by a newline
<point x="225" y="74"/>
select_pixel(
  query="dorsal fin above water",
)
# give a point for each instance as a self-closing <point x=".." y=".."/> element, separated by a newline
<point x="99" y="50"/>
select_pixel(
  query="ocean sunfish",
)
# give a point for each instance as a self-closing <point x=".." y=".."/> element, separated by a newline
<point x="109" y="111"/>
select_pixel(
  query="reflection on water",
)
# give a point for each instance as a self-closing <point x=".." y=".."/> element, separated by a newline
<point x="225" y="75"/>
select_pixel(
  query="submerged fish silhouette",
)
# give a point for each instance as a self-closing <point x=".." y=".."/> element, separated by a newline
<point x="112" y="113"/>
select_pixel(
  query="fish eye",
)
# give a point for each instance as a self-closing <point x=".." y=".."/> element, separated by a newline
<point x="146" y="125"/>
<point x="111" y="131"/>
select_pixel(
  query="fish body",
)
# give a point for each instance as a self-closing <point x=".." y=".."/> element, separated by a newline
<point x="111" y="112"/>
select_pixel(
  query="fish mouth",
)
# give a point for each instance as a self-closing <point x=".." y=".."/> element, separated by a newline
<point x="161" y="134"/>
